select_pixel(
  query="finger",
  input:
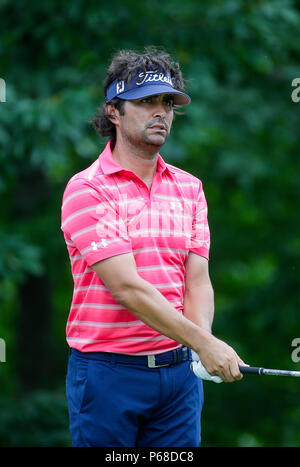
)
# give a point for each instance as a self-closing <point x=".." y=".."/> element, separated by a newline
<point x="226" y="377"/>
<point x="225" y="374"/>
<point x="235" y="370"/>
<point x="241" y="363"/>
<point x="230" y="372"/>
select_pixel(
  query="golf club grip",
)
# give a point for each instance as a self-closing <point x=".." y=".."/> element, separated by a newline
<point x="251" y="369"/>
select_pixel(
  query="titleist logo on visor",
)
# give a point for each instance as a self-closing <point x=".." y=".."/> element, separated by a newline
<point x="143" y="78"/>
<point x="150" y="76"/>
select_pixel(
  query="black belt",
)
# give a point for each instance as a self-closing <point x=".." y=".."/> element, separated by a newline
<point x="152" y="361"/>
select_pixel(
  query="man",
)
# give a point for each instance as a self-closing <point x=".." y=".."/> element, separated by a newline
<point x="138" y="239"/>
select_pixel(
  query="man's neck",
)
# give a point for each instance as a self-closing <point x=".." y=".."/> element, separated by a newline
<point x="142" y="162"/>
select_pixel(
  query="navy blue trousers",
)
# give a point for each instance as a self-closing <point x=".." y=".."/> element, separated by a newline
<point x="120" y="404"/>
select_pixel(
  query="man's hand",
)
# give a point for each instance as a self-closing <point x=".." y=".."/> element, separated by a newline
<point x="219" y="359"/>
<point x="200" y="371"/>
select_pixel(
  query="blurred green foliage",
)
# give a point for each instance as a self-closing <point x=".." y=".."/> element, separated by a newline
<point x="39" y="419"/>
<point x="239" y="135"/>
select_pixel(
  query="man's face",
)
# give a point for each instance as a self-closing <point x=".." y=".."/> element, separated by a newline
<point x="146" y="121"/>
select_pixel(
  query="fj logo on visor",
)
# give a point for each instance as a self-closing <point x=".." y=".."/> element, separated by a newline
<point x="120" y="86"/>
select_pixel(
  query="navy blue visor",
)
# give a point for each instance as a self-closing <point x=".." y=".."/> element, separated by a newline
<point x="144" y="84"/>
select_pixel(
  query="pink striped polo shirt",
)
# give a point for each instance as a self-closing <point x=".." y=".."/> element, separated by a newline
<point x="107" y="211"/>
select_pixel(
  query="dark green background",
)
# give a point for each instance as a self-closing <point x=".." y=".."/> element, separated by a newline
<point x="240" y="135"/>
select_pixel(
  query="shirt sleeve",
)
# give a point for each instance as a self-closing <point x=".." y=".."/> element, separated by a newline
<point x="200" y="238"/>
<point x="91" y="223"/>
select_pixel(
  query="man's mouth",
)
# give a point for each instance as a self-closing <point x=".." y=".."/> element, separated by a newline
<point x="159" y="127"/>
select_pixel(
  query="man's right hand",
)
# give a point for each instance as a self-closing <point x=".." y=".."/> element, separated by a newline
<point x="219" y="359"/>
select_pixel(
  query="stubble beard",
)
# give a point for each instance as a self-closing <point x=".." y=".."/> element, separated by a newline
<point x="144" y="142"/>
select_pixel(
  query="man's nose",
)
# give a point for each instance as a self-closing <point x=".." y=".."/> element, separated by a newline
<point x="159" y="110"/>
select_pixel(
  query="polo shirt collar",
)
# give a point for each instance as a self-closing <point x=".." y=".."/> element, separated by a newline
<point x="110" y="166"/>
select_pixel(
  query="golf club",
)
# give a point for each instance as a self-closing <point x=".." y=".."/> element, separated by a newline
<point x="267" y="371"/>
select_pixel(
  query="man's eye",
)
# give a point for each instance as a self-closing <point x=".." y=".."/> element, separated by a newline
<point x="169" y="101"/>
<point x="146" y="100"/>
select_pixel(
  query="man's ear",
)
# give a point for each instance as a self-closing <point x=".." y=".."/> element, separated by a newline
<point x="112" y="113"/>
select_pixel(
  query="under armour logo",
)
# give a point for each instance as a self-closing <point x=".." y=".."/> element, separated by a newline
<point x="103" y="243"/>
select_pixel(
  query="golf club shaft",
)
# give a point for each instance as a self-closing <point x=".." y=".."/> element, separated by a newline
<point x="267" y="371"/>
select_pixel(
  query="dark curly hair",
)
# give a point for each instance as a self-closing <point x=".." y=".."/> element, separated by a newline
<point x="124" y="65"/>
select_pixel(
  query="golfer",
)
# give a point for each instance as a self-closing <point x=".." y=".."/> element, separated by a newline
<point x="138" y="240"/>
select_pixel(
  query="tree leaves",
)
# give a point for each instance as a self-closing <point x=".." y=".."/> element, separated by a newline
<point x="239" y="135"/>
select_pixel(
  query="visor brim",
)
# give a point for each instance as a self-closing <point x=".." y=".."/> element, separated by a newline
<point x="180" y="98"/>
